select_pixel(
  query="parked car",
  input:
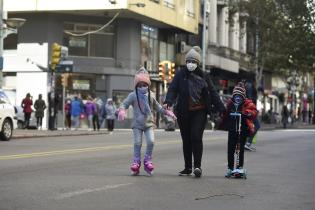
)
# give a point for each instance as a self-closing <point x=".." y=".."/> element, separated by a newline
<point x="7" y="117"/>
<point x="20" y="118"/>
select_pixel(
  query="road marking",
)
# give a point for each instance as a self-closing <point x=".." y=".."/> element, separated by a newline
<point x="86" y="191"/>
<point x="88" y="149"/>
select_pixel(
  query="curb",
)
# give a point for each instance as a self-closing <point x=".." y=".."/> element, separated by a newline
<point x="20" y="136"/>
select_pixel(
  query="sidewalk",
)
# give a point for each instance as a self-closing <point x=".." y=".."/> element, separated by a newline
<point x="296" y="125"/>
<point x="33" y="133"/>
<point x="20" y="133"/>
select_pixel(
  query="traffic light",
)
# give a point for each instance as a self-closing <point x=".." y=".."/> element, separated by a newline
<point x="162" y="71"/>
<point x="64" y="79"/>
<point x="55" y="56"/>
<point x="172" y="71"/>
<point x="58" y="53"/>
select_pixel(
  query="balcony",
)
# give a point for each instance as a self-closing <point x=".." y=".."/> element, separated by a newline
<point x="223" y="2"/>
<point x="229" y="55"/>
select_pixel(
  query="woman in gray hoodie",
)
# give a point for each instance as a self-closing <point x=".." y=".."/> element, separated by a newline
<point x="141" y="100"/>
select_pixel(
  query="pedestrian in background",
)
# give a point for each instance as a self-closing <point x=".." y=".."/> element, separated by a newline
<point x="310" y="114"/>
<point x="194" y="95"/>
<point x="142" y="101"/>
<point x="90" y="109"/>
<point x="110" y="114"/>
<point x="76" y="110"/>
<point x="285" y="116"/>
<point x="96" y="122"/>
<point x="26" y="104"/>
<point x="68" y="114"/>
<point x="251" y="93"/>
<point x="102" y="115"/>
<point x="40" y="107"/>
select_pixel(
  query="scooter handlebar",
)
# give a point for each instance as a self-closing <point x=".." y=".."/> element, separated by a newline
<point x="235" y="114"/>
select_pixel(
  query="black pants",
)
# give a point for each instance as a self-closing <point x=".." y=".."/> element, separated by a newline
<point x="96" y="122"/>
<point x="110" y="125"/>
<point x="68" y="120"/>
<point x="232" y="140"/>
<point x="191" y="130"/>
<point x="39" y="121"/>
<point x="27" y="117"/>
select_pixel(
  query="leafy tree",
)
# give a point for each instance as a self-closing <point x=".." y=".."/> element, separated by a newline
<point x="284" y="34"/>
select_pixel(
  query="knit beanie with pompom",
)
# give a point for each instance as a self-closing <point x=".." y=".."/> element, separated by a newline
<point x="142" y="75"/>
<point x="239" y="89"/>
<point x="194" y="54"/>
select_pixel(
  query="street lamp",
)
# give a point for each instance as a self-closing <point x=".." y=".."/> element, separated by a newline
<point x="7" y="27"/>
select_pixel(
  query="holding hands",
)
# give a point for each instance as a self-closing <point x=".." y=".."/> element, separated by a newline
<point x="121" y="114"/>
<point x="170" y="114"/>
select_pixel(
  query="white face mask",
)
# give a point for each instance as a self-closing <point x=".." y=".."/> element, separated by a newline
<point x="191" y="66"/>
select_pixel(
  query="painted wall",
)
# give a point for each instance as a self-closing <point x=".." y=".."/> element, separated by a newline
<point x="175" y="17"/>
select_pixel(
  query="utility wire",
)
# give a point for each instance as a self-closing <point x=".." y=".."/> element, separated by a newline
<point x="92" y="32"/>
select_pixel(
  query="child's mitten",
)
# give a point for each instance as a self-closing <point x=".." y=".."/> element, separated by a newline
<point x="170" y="113"/>
<point x="121" y="114"/>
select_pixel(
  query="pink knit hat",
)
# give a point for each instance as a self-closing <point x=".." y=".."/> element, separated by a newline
<point x="142" y="76"/>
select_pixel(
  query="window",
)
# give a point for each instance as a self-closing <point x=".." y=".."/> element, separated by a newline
<point x="99" y="44"/>
<point x="167" y="51"/>
<point x="169" y="3"/>
<point x="149" y="47"/>
<point x="190" y="8"/>
<point x="10" y="42"/>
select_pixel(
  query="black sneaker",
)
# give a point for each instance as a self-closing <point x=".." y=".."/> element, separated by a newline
<point x="185" y="172"/>
<point x="198" y="172"/>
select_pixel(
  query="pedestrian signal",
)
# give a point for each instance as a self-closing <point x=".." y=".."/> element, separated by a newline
<point x="64" y="79"/>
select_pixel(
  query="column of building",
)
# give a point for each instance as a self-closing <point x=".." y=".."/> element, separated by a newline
<point x="213" y="23"/>
<point x="243" y="36"/>
<point x="234" y="30"/>
<point x="223" y="26"/>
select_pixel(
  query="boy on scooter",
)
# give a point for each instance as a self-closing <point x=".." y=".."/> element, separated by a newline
<point x="238" y="121"/>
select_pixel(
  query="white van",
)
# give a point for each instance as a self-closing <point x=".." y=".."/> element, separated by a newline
<point x="7" y="117"/>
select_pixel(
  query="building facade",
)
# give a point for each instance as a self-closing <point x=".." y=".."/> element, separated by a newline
<point x="107" y="42"/>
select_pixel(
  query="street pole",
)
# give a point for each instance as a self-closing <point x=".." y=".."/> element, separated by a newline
<point x="204" y="35"/>
<point x="1" y="42"/>
<point x="314" y="100"/>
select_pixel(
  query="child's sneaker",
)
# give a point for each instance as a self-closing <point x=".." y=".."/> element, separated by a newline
<point x="228" y="173"/>
<point x="240" y="170"/>
<point x="135" y="167"/>
<point x="148" y="165"/>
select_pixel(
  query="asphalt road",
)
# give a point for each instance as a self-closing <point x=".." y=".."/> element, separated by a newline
<point x="92" y="172"/>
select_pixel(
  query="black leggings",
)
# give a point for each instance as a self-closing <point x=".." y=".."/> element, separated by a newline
<point x="96" y="122"/>
<point x="110" y="125"/>
<point x="39" y="121"/>
<point x="191" y="130"/>
<point x="27" y="117"/>
<point x="232" y="140"/>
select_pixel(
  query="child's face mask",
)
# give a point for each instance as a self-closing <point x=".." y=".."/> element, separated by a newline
<point x="238" y="99"/>
<point x="143" y="90"/>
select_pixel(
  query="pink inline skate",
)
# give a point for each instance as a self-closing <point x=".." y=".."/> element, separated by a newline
<point x="148" y="165"/>
<point x="135" y="166"/>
